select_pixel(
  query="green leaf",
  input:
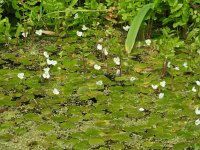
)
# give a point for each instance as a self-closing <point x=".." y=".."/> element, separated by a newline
<point x="96" y="141"/>
<point x="135" y="25"/>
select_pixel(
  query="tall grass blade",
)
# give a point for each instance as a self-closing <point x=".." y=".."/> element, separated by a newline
<point x="135" y="25"/>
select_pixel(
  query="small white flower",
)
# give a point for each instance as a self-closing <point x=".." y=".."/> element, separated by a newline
<point x="161" y="95"/>
<point x="97" y="67"/>
<point x="46" y="75"/>
<point x="185" y="65"/>
<point x="25" y="34"/>
<point x="148" y="42"/>
<point x="163" y="83"/>
<point x="38" y="32"/>
<point x="194" y="89"/>
<point x="76" y="16"/>
<point x="176" y="68"/>
<point x="197" y="122"/>
<point x="79" y="33"/>
<point x="54" y="62"/>
<point x="100" y="82"/>
<point x="99" y="47"/>
<point x="117" y="72"/>
<point x="84" y="28"/>
<point x="100" y="40"/>
<point x="169" y="64"/>
<point x="55" y="91"/>
<point x="141" y="109"/>
<point x="154" y="86"/>
<point x="116" y="60"/>
<point x="51" y="62"/>
<point x="105" y="51"/>
<point x="126" y="28"/>
<point x="197" y="111"/>
<point x="46" y="69"/>
<point x="198" y="83"/>
<point x="46" y="54"/>
<point x="132" y="79"/>
<point x="20" y="75"/>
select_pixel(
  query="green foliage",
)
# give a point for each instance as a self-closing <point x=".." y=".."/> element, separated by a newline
<point x="128" y="9"/>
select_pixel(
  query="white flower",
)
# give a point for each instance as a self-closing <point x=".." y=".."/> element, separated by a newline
<point x="197" y="122"/>
<point x="197" y="111"/>
<point x="100" y="40"/>
<point x="148" y="42"/>
<point x="99" y="47"/>
<point x="154" y="86"/>
<point x="169" y="64"/>
<point x="116" y="60"/>
<point x="100" y="82"/>
<point x="38" y="32"/>
<point x="46" y="75"/>
<point x="46" y="69"/>
<point x="194" y="89"/>
<point x="126" y="28"/>
<point x="20" y="75"/>
<point x="55" y="91"/>
<point x="185" y="64"/>
<point x="79" y="33"/>
<point x="97" y="67"/>
<point x="163" y="83"/>
<point x="76" y="16"/>
<point x="198" y="83"/>
<point x="51" y="62"/>
<point x="161" y="95"/>
<point x="105" y="51"/>
<point x="118" y="72"/>
<point x="132" y="79"/>
<point x="141" y="109"/>
<point x="25" y="34"/>
<point x="176" y="68"/>
<point x="46" y="54"/>
<point x="84" y="28"/>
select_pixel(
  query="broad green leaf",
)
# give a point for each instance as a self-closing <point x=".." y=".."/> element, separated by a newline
<point x="135" y="25"/>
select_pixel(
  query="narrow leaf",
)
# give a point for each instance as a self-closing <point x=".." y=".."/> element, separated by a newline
<point x="135" y="25"/>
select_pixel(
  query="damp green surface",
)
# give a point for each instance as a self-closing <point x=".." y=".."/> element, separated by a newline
<point x="87" y="115"/>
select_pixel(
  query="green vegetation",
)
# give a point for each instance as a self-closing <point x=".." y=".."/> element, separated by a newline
<point x="66" y="81"/>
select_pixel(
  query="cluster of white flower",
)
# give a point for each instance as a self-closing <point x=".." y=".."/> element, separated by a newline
<point x="100" y="48"/>
<point x="155" y="87"/>
<point x="185" y="65"/>
<point x="194" y="88"/>
<point x="80" y="33"/>
<point x="46" y="73"/>
<point x="197" y="112"/>
<point x="38" y="32"/>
